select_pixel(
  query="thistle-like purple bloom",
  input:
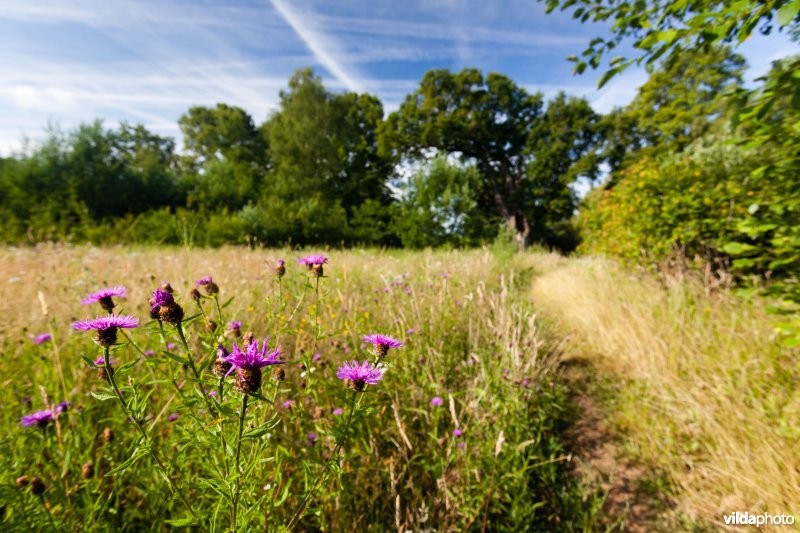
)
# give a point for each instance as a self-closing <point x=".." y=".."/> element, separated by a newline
<point x="63" y="407"/>
<point x="357" y="376"/>
<point x="42" y="338"/>
<point x="173" y="417"/>
<point x="457" y="432"/>
<point x="160" y="299"/>
<point x="437" y="401"/>
<point x="248" y="364"/>
<point x="204" y="281"/>
<point x="104" y="297"/>
<point x="106" y="327"/>
<point x="338" y="411"/>
<point x="382" y="343"/>
<point x="102" y="362"/>
<point x="39" y="419"/>
<point x="235" y="325"/>
<point x="313" y="259"/>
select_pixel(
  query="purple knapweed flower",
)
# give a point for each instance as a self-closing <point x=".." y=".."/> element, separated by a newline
<point x="338" y="411"/>
<point x="204" y="281"/>
<point x="311" y="438"/>
<point x="457" y="432"/>
<point x="382" y="343"/>
<point x="288" y="404"/>
<point x="460" y="445"/>
<point x="356" y="376"/>
<point x="149" y="353"/>
<point x="106" y="327"/>
<point x="104" y="297"/>
<point x="161" y="299"/>
<point x="42" y="338"/>
<point x="39" y="419"/>
<point x="437" y="401"/>
<point x="235" y="326"/>
<point x="63" y="407"/>
<point x="317" y="357"/>
<point x="248" y="364"/>
<point x="411" y="331"/>
<point x="173" y="417"/>
<point x="212" y="394"/>
<point x="314" y="263"/>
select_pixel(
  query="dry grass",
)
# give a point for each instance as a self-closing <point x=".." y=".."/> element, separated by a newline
<point x="702" y="387"/>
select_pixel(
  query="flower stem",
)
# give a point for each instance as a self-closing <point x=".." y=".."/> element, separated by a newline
<point x="193" y="367"/>
<point x="145" y="437"/>
<point x="236" y="463"/>
<point x="298" y="514"/>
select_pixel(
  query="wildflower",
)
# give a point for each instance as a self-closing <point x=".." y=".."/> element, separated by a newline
<point x="437" y="401"/>
<point x="317" y="357"/>
<point x="171" y="346"/>
<point x="249" y="363"/>
<point x="280" y="268"/>
<point x="288" y="404"/>
<point x="166" y="287"/>
<point x="382" y="343"/>
<point x="173" y="417"/>
<point x="164" y="307"/>
<point x="356" y="376"/>
<point x="37" y="486"/>
<point x="411" y="331"/>
<point x="102" y="371"/>
<point x="235" y="328"/>
<point x="103" y="297"/>
<point x="457" y="432"/>
<point x="338" y="411"/>
<point x="460" y="445"/>
<point x="43" y="338"/>
<point x="195" y="295"/>
<point x="149" y="353"/>
<point x="212" y="394"/>
<point x="87" y="470"/>
<point x="63" y="407"/>
<point x="22" y="482"/>
<point x="221" y="367"/>
<point x="106" y="327"/>
<point x="208" y="284"/>
<point x="40" y="419"/>
<point x="108" y="435"/>
<point x="211" y="326"/>
<point x="248" y="338"/>
<point x="311" y="438"/>
<point x="279" y="374"/>
<point x="314" y="263"/>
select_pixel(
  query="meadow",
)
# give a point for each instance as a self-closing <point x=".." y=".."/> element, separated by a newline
<point x="460" y="428"/>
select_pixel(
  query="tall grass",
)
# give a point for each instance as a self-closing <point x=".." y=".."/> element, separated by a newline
<point x="470" y="335"/>
<point x="702" y="388"/>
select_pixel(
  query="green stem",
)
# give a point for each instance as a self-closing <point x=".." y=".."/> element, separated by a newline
<point x="145" y="437"/>
<point x="236" y="463"/>
<point x="219" y="313"/>
<point x="193" y="367"/>
<point x="322" y="474"/>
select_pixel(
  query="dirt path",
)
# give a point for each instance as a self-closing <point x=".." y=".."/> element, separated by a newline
<point x="599" y="460"/>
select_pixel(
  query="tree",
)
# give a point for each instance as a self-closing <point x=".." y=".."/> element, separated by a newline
<point x="496" y="125"/>
<point x="327" y="142"/>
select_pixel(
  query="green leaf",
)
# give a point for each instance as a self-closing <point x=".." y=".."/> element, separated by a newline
<point x="103" y="396"/>
<point x="788" y="12"/>
<point x="181" y="522"/>
<point x="138" y="453"/>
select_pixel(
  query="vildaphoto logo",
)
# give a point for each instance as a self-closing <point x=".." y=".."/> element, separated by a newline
<point x="758" y="520"/>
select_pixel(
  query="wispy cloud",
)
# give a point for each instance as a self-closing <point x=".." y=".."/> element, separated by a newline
<point x="321" y="45"/>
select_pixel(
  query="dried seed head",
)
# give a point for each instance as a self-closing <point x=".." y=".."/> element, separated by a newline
<point x="166" y="287"/>
<point x="221" y="367"/>
<point x="37" y="486"/>
<point x="171" y="314"/>
<point x="108" y="435"/>
<point x="195" y="294"/>
<point x="87" y="471"/>
<point x="211" y="288"/>
<point x="22" y="482"/>
<point x="211" y="326"/>
<point x="279" y="373"/>
<point x="318" y="413"/>
<point x="248" y="381"/>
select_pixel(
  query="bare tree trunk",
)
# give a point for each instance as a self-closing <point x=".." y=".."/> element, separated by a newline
<point x="519" y="224"/>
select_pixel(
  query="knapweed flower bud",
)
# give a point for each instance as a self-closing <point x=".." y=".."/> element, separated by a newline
<point x="314" y="263"/>
<point x="22" y="482"/>
<point x="280" y="268"/>
<point x="195" y="295"/>
<point x="234" y="329"/>
<point x="104" y="297"/>
<point x="208" y="285"/>
<point x="102" y="371"/>
<point x="87" y="470"/>
<point x="356" y="377"/>
<point x="318" y="412"/>
<point x="279" y="374"/>
<point x="108" y="435"/>
<point x="37" y="486"/>
<point x="382" y="343"/>
<point x="248" y="338"/>
<point x="221" y="367"/>
<point x="171" y="314"/>
<point x="166" y="287"/>
<point x="106" y="327"/>
<point x="211" y="326"/>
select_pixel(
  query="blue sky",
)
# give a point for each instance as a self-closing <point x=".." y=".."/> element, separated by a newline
<point x="63" y="62"/>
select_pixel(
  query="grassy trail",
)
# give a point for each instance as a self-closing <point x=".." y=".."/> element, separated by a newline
<point x="697" y="397"/>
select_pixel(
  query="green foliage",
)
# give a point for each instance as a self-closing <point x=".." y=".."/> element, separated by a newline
<point x="439" y="206"/>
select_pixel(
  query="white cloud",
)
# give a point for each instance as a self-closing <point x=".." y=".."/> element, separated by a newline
<point x="322" y="46"/>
